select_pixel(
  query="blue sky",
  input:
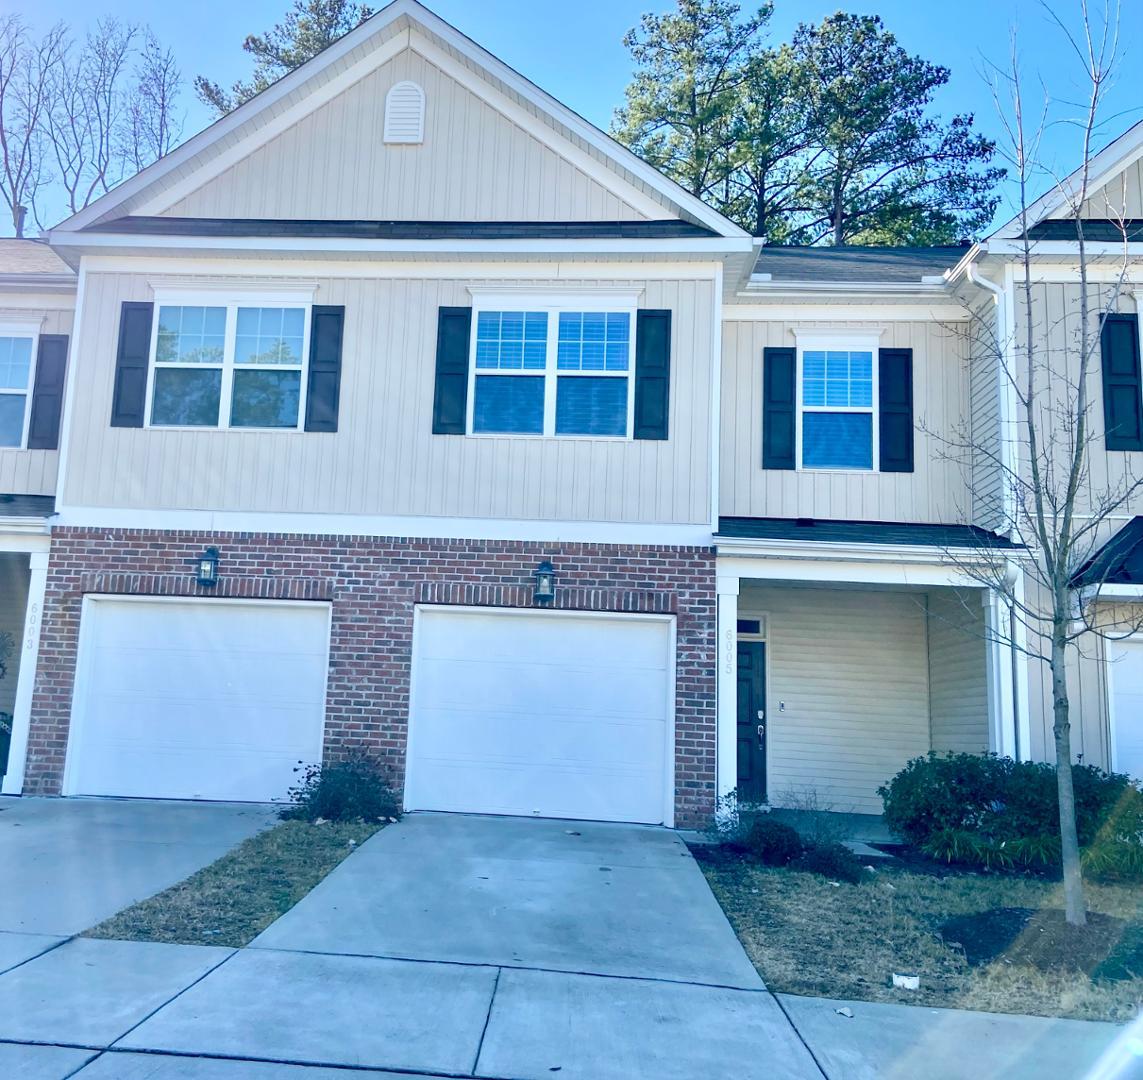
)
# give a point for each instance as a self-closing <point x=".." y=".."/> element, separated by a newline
<point x="581" y="59"/>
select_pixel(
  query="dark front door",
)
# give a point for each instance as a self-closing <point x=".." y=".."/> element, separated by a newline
<point x="751" y="721"/>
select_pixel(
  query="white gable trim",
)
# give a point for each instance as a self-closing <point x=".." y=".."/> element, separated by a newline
<point x="1112" y="159"/>
<point x="181" y="157"/>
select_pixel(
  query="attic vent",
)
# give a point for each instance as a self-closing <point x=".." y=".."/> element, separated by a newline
<point x="405" y="114"/>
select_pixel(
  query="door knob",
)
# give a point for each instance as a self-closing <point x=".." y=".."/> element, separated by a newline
<point x="761" y="735"/>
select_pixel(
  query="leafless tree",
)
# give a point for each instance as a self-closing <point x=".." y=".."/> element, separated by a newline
<point x="26" y="68"/>
<point x="1052" y="502"/>
<point x="153" y="128"/>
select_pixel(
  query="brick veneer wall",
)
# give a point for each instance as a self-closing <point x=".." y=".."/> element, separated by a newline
<point x="373" y="584"/>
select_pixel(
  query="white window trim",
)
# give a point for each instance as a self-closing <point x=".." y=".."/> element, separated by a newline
<point x="30" y="330"/>
<point x="231" y="301"/>
<point x="552" y="305"/>
<point x="854" y="341"/>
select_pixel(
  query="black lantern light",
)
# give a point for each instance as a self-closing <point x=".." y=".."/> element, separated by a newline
<point x="208" y="567"/>
<point x="545" y="583"/>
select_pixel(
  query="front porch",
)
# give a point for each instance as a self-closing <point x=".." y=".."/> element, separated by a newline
<point x="840" y="663"/>
<point x="23" y="575"/>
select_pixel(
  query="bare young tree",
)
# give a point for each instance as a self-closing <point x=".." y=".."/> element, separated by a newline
<point x="26" y="68"/>
<point x="153" y="127"/>
<point x="1052" y="501"/>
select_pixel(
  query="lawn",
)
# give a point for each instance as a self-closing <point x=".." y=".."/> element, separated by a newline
<point x="234" y="899"/>
<point x="809" y="936"/>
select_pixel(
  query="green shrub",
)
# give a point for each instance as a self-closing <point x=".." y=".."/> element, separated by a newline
<point x="352" y="789"/>
<point x="834" y="861"/>
<point x="1002" y="814"/>
<point x="772" y="843"/>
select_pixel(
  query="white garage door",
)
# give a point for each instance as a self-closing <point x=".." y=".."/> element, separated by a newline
<point x="550" y="714"/>
<point x="1126" y="678"/>
<point x="197" y="700"/>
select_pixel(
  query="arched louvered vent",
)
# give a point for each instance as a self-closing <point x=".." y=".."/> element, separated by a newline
<point x="405" y="114"/>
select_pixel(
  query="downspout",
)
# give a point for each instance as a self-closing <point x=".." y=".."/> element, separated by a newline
<point x="998" y="293"/>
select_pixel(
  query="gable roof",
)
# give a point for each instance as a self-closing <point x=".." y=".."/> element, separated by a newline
<point x="1118" y="562"/>
<point x="347" y="60"/>
<point x="1111" y="160"/>
<point x="30" y="265"/>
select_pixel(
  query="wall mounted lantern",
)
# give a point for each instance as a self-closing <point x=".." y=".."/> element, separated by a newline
<point x="208" y="567"/>
<point x="545" y="576"/>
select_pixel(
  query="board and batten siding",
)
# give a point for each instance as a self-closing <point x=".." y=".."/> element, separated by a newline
<point x="475" y="164"/>
<point x="958" y="673"/>
<point x="33" y="472"/>
<point x="852" y="670"/>
<point x="937" y="491"/>
<point x="384" y="458"/>
<point x="1122" y="196"/>
<point x="14" y="578"/>
<point x="987" y="483"/>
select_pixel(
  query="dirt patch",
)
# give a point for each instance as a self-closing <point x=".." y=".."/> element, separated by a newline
<point x="1041" y="939"/>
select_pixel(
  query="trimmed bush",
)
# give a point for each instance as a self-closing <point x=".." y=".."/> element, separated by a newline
<point x="352" y="789"/>
<point x="772" y="843"/>
<point x="1002" y="814"/>
<point x="834" y="861"/>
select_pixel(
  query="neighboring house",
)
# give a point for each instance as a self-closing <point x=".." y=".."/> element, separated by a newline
<point x="37" y="304"/>
<point x="403" y="332"/>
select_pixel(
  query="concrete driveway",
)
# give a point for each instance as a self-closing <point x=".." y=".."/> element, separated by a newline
<point x="71" y="863"/>
<point x="494" y="948"/>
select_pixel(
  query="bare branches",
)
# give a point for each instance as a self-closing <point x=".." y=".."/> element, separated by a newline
<point x="76" y="117"/>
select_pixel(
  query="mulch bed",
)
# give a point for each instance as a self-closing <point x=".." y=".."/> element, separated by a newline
<point x="1041" y="938"/>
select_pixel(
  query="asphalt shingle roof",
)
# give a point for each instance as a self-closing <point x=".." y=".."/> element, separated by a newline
<point x="900" y="265"/>
<point x="30" y="257"/>
<point x="813" y="530"/>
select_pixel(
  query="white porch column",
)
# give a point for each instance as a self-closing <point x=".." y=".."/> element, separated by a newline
<point x="727" y="688"/>
<point x="26" y="677"/>
<point x="1019" y="658"/>
<point x="1007" y="668"/>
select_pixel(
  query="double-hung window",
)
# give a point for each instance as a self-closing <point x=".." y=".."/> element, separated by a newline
<point x="229" y="364"/>
<point x="17" y="349"/>
<point x="557" y="369"/>
<point x="837" y="397"/>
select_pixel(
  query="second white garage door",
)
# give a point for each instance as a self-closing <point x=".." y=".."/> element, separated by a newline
<point x="197" y="699"/>
<point x="550" y="714"/>
<point x="1125" y="676"/>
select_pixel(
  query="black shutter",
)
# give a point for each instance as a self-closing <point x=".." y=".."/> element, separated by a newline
<point x="450" y="394"/>
<point x="1122" y="397"/>
<point x="130" y="398"/>
<point x="652" y="373"/>
<point x="779" y="400"/>
<point x="47" y="395"/>
<point x="895" y="403"/>
<point x="323" y="387"/>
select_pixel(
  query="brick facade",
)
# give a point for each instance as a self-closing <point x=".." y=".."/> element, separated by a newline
<point x="373" y="583"/>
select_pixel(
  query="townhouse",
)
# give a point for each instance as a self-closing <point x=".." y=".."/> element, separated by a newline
<point x="406" y="410"/>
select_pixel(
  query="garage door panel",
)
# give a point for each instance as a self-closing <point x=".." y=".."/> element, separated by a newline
<point x="524" y="688"/>
<point x="1127" y="683"/>
<point x="548" y="714"/>
<point x="206" y="700"/>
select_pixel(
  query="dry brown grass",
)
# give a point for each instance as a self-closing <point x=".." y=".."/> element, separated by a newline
<point x="807" y="936"/>
<point x="234" y="899"/>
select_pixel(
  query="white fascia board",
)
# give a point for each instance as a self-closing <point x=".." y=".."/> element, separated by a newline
<point x="259" y="271"/>
<point x="1067" y="248"/>
<point x="24" y="535"/>
<point x="329" y="245"/>
<point x="33" y="283"/>
<point x="850" y="312"/>
<point x="433" y="528"/>
<point x="801" y="550"/>
<point x="903" y="570"/>
<point x="1113" y="158"/>
<point x="763" y="285"/>
<point x="1118" y="592"/>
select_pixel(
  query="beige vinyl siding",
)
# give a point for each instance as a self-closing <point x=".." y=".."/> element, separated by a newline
<point x="852" y="670"/>
<point x="474" y="165"/>
<point x="32" y="472"/>
<point x="987" y="483"/>
<point x="958" y="678"/>
<point x="1055" y="310"/>
<point x="14" y="579"/>
<point x="936" y="491"/>
<point x="1121" y="196"/>
<point x="384" y="458"/>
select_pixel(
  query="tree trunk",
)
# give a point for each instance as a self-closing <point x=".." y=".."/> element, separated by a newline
<point x="1074" y="908"/>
